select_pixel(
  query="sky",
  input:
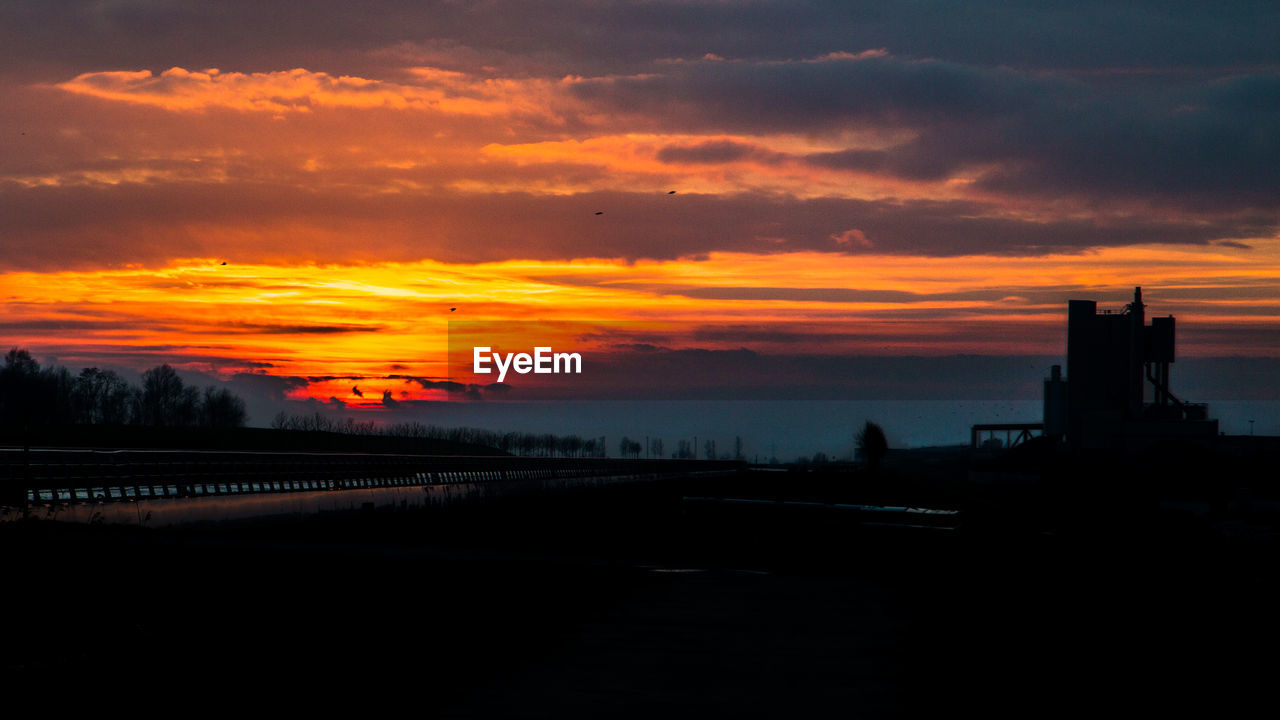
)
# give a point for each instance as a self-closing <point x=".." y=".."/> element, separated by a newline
<point x="715" y="199"/>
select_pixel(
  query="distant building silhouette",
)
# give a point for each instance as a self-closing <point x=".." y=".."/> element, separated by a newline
<point x="1116" y="393"/>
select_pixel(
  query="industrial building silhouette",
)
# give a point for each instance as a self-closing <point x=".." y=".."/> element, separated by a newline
<point x="1116" y="393"/>
<point x="1117" y="390"/>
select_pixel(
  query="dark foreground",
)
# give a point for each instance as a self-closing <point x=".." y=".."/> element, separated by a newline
<point x="628" y="603"/>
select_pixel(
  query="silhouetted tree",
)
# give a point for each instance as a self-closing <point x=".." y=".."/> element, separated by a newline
<point x="20" y="388"/>
<point x="510" y="443"/>
<point x="20" y="361"/>
<point x="545" y="444"/>
<point x="221" y="409"/>
<point x="58" y="384"/>
<point x="100" y="397"/>
<point x="31" y="395"/>
<point x="165" y="401"/>
<point x="872" y="444"/>
<point x="629" y="448"/>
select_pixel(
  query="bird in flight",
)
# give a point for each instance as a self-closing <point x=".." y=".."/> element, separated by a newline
<point x="224" y="262"/>
<point x="671" y="192"/>
<point x="599" y="212"/>
<point x="452" y="309"/>
<point x="355" y="390"/>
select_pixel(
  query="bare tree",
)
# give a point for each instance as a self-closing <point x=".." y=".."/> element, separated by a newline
<point x="100" y="397"/>
<point x="166" y="401"/>
<point x="31" y="395"/>
<point x="20" y="388"/>
<point x="872" y="444"/>
<point x="221" y="409"/>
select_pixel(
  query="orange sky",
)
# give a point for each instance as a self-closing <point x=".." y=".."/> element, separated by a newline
<point x="377" y="319"/>
<point x="354" y="205"/>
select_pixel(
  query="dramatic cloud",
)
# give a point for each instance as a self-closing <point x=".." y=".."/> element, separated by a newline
<point x="301" y="201"/>
<point x="254" y="224"/>
<point x="565" y="35"/>
<point x="1021" y="132"/>
<point x="300" y="90"/>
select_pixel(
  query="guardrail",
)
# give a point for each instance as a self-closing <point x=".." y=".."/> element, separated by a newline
<point x="49" y="476"/>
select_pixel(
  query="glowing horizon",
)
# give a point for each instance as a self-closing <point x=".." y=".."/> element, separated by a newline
<point x="391" y="318"/>
<point x="842" y="193"/>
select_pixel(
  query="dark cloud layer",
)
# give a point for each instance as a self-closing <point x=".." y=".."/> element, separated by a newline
<point x="137" y="223"/>
<point x="564" y="36"/>
<point x="714" y="151"/>
<point x="1167" y="111"/>
<point x="1208" y="141"/>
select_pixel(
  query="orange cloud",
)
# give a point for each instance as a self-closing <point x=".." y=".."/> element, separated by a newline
<point x="301" y="91"/>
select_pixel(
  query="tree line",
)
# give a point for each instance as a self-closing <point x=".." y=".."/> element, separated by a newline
<point x="52" y="395"/>
<point x="516" y="443"/>
<point x="31" y="394"/>
<point x="527" y="444"/>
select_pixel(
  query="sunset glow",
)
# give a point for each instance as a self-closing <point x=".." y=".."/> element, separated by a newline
<point x="831" y="201"/>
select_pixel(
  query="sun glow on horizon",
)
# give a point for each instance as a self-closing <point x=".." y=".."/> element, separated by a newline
<point x="380" y="318"/>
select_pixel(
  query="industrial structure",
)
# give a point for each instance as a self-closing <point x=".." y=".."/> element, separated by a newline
<point x="1116" y="393"/>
